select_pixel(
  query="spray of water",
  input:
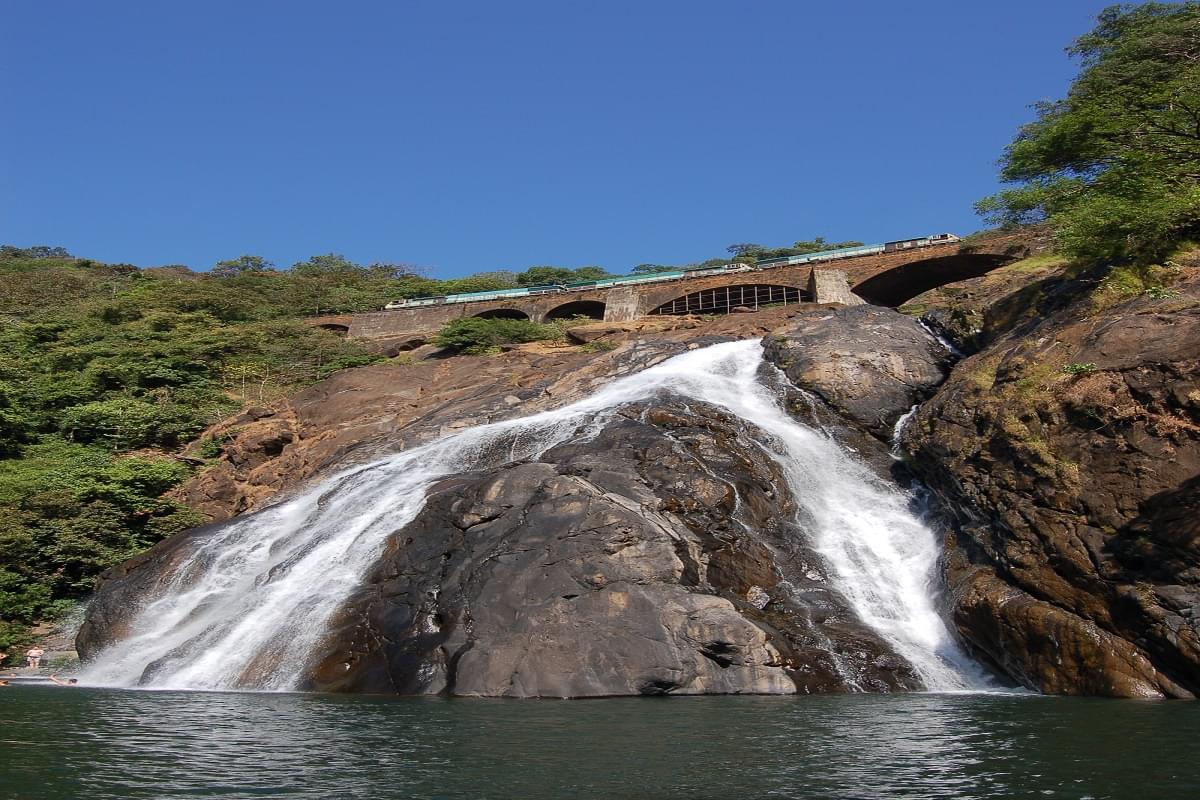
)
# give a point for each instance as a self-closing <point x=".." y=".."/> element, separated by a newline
<point x="249" y="606"/>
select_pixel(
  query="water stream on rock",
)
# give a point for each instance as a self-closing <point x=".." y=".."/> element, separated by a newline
<point x="249" y="606"/>
<point x="897" y="448"/>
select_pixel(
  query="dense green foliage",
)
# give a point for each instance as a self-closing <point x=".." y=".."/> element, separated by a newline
<point x="106" y="371"/>
<point x="68" y="511"/>
<point x="474" y="335"/>
<point x="537" y="276"/>
<point x="1115" y="166"/>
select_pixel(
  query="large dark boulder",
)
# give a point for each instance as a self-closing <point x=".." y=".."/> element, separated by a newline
<point x="869" y="363"/>
<point x="660" y="556"/>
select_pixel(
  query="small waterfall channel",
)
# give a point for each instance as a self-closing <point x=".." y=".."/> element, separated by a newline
<point x="249" y="606"/>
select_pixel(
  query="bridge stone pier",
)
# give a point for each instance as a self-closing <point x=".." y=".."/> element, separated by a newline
<point x="888" y="279"/>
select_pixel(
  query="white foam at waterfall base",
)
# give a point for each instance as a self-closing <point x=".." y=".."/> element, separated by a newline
<point x="249" y="606"/>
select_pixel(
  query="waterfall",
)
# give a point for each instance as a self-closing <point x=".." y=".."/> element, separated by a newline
<point x="249" y="606"/>
<point x="941" y="339"/>
<point x="897" y="448"/>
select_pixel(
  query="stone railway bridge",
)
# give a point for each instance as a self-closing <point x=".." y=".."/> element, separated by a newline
<point x="887" y="279"/>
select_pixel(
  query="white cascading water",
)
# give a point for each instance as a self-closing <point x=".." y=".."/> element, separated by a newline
<point x="248" y="608"/>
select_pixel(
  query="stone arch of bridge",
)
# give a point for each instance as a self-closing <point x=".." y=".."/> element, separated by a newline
<point x="732" y="297"/>
<point x="502" y="313"/>
<point x="898" y="285"/>
<point x="593" y="309"/>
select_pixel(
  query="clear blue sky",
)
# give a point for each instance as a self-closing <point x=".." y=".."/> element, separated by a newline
<point x="466" y="136"/>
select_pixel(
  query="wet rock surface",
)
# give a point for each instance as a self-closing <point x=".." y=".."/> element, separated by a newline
<point x="870" y="364"/>
<point x="659" y="557"/>
<point x="1068" y="451"/>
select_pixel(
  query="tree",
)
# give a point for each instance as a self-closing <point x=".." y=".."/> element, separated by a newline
<point x="385" y="269"/>
<point x="536" y="276"/>
<point x="501" y="278"/>
<point x="128" y="423"/>
<point x="818" y="243"/>
<point x="1114" y="167"/>
<point x="16" y="424"/>
<point x="744" y="249"/>
<point x="38" y="251"/>
<point x="241" y="265"/>
<point x="650" y="269"/>
<point x="590" y="273"/>
<point x="329" y="264"/>
<point x="478" y="282"/>
<point x="477" y="335"/>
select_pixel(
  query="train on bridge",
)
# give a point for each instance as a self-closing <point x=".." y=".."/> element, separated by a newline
<point x="677" y="274"/>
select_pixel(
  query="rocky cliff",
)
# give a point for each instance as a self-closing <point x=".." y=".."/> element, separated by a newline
<point x="1067" y="451"/>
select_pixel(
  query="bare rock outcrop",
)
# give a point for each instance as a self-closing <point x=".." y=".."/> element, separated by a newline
<point x="870" y="364"/>
<point x="1068" y="450"/>
<point x="359" y="414"/>
<point x="659" y="557"/>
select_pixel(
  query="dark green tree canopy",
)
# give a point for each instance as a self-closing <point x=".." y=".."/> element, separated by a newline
<point x="241" y="266"/>
<point x="37" y="251"/>
<point x="536" y="276"/>
<point x="1115" y="166"/>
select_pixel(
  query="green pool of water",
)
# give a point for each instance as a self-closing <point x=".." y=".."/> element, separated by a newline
<point x="90" y="743"/>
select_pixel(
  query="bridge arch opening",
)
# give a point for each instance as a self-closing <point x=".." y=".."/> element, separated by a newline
<point x="502" y="313"/>
<point x="897" y="286"/>
<point x="738" y="297"/>
<point x="592" y="309"/>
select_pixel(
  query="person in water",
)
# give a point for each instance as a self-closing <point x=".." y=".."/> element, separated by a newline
<point x="61" y="682"/>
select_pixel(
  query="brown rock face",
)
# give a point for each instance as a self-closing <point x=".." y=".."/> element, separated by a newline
<point x="869" y="363"/>
<point x="359" y="414"/>
<point x="1069" y="450"/>
<point x="656" y="558"/>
